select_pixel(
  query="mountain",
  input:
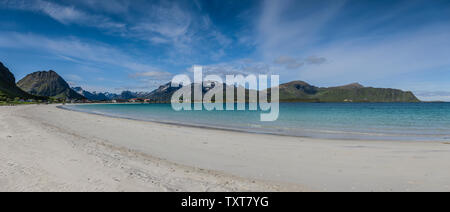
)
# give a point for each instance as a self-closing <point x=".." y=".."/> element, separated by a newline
<point x="99" y="96"/>
<point x="298" y="91"/>
<point x="163" y="93"/>
<point x="295" y="91"/>
<point x="8" y="87"/>
<point x="91" y="96"/>
<point x="48" y="83"/>
<point x="111" y="96"/>
<point x="350" y="86"/>
<point x="127" y="95"/>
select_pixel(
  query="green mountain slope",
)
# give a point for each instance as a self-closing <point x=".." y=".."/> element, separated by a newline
<point x="48" y="83"/>
<point x="298" y="91"/>
<point x="8" y="87"/>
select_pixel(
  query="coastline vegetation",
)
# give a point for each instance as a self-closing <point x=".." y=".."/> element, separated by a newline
<point x="7" y="101"/>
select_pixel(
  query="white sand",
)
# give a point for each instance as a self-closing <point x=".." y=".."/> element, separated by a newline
<point x="43" y="148"/>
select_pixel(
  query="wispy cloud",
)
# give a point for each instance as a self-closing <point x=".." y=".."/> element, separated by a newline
<point x="323" y="42"/>
<point x="371" y="49"/>
<point x="73" y="77"/>
<point x="74" y="49"/>
<point x="168" y="23"/>
<point x="316" y="60"/>
<point x="372" y="58"/>
<point x="289" y="62"/>
<point x="152" y="75"/>
<point x="285" y="27"/>
<point x="65" y="14"/>
<point x="237" y="67"/>
<point x="111" y="6"/>
<point x="295" y="63"/>
<point x="433" y="95"/>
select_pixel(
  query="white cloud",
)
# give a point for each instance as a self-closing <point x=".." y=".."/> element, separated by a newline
<point x="73" y="77"/>
<point x="433" y="95"/>
<point x="238" y="67"/>
<point x="74" y="50"/>
<point x="285" y="27"/>
<point x="170" y="22"/>
<point x="65" y="14"/>
<point x="372" y="50"/>
<point x="152" y="75"/>
<point x="289" y="62"/>
<point x="316" y="60"/>
<point x="186" y="30"/>
<point x="295" y="63"/>
<point x="372" y="59"/>
<point x="110" y="6"/>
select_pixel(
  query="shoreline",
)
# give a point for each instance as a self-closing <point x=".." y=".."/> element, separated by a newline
<point x="252" y="162"/>
<point x="247" y="130"/>
<point x="138" y="171"/>
<point x="181" y="124"/>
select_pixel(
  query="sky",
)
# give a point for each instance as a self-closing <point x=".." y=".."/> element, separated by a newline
<point x="137" y="45"/>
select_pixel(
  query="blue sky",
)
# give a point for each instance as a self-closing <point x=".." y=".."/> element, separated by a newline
<point x="138" y="45"/>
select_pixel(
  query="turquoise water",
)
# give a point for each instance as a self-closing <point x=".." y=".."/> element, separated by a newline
<point x="379" y="121"/>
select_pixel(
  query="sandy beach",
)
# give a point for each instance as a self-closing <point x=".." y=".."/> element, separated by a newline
<point x="44" y="148"/>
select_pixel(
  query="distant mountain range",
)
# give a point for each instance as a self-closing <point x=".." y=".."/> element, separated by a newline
<point x="299" y="91"/>
<point x="106" y="96"/>
<point x="296" y="91"/>
<point x="44" y="84"/>
<point x="92" y="96"/>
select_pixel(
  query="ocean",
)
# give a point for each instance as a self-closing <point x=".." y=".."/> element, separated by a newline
<point x="372" y="121"/>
